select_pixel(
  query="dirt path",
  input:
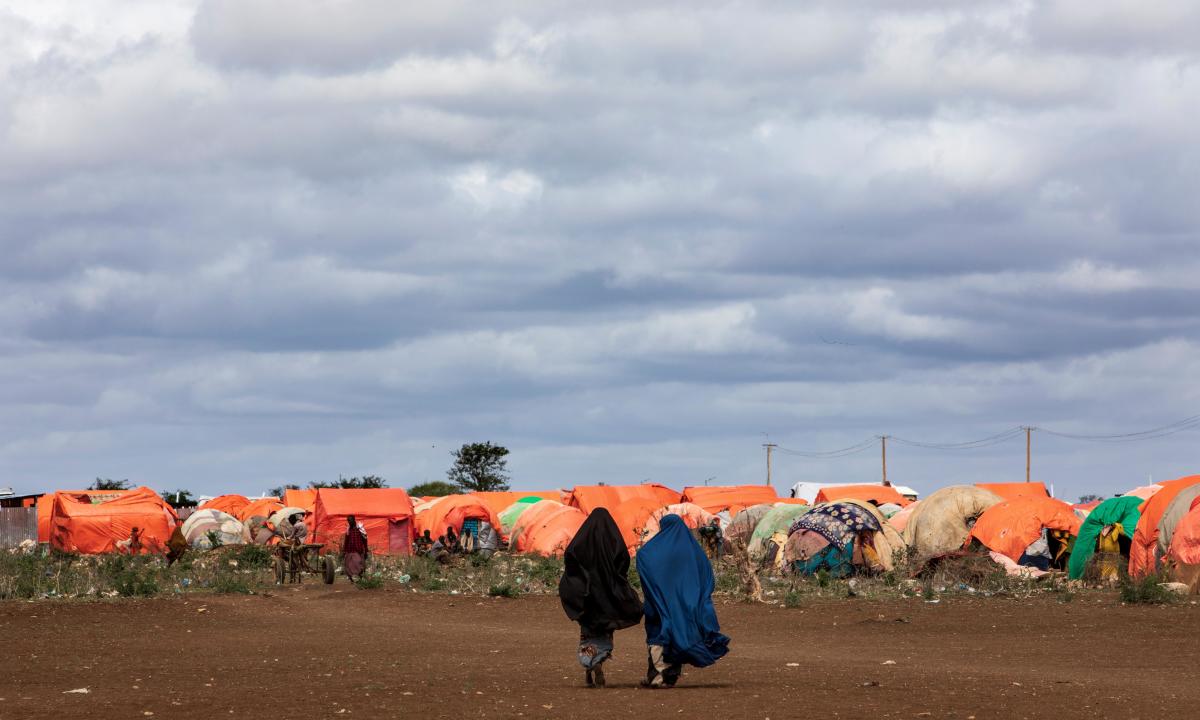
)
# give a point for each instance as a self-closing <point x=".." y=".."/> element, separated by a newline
<point x="358" y="654"/>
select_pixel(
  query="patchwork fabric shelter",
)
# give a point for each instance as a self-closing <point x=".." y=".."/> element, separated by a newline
<point x="733" y="498"/>
<point x="693" y="517"/>
<point x="1142" y="552"/>
<point x="1119" y="513"/>
<point x="777" y="521"/>
<point x="202" y="527"/>
<point x="590" y="497"/>
<point x="82" y="527"/>
<point x="900" y="520"/>
<point x="453" y="511"/>
<point x="228" y="504"/>
<point x="1175" y="512"/>
<point x="1008" y="491"/>
<point x="498" y="502"/>
<point x="306" y="499"/>
<point x="1009" y="527"/>
<point x="508" y="518"/>
<point x="385" y="513"/>
<point x="261" y="507"/>
<point x="823" y="538"/>
<point x="547" y="528"/>
<point x="1184" y="553"/>
<point x="943" y="520"/>
<point x="739" y="530"/>
<point x="877" y="494"/>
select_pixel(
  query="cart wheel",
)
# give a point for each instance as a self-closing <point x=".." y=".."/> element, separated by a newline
<point x="330" y="567"/>
<point x="280" y="570"/>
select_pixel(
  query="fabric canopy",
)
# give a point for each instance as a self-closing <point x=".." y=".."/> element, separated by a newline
<point x="733" y="498"/>
<point x="1175" y="512"/>
<point x="1142" y="553"/>
<point x="693" y="516"/>
<point x="79" y="526"/>
<point x="1008" y="491"/>
<point x="45" y="506"/>
<point x="633" y="518"/>
<point x="778" y="519"/>
<point x="1113" y="511"/>
<point x="385" y="513"/>
<point x="877" y="494"/>
<point x="1009" y="527"/>
<point x="228" y="504"/>
<point x="942" y="521"/>
<point x="739" y="530"/>
<point x="497" y="502"/>
<point x="261" y="507"/>
<point x="589" y="497"/>
<point x="306" y="499"/>
<point x="452" y="511"/>
<point x="203" y="526"/>
<point x="1185" y="546"/>
<point x="512" y="513"/>
<point x="900" y="519"/>
<point x="547" y="528"/>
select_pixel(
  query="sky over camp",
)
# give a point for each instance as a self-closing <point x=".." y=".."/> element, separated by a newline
<point x="250" y="242"/>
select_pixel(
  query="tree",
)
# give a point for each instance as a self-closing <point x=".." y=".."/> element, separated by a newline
<point x="354" y="483"/>
<point x="479" y="467"/>
<point x="1090" y="498"/>
<point x="109" y="484"/>
<point x="179" y="498"/>
<point x="278" y="491"/>
<point x="436" y="488"/>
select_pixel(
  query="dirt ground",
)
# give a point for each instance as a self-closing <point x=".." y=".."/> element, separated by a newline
<point x="340" y="652"/>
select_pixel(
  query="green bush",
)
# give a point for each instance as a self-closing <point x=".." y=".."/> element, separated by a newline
<point x="433" y="584"/>
<point x="546" y="570"/>
<point x="370" y="581"/>
<point x="792" y="599"/>
<point x="252" y="556"/>
<point x="504" y="590"/>
<point x="1146" y="591"/>
<point x="634" y="579"/>
<point x="130" y="576"/>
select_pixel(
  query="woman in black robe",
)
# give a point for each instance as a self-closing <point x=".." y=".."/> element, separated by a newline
<point x="595" y="591"/>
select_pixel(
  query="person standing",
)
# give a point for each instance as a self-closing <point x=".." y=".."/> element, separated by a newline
<point x="681" y="623"/>
<point x="595" y="591"/>
<point x="354" y="549"/>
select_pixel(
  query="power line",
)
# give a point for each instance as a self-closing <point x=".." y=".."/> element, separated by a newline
<point x="1159" y="432"/>
<point x="844" y="452"/>
<point x="968" y="445"/>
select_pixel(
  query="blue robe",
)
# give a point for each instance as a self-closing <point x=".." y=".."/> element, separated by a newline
<point x="677" y="582"/>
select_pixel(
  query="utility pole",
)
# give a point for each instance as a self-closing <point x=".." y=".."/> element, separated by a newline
<point x="769" y="446"/>
<point x="883" y="450"/>
<point x="1027" y="449"/>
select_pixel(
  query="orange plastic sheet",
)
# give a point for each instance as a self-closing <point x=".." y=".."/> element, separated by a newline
<point x="1010" y="526"/>
<point x="589" y="497"/>
<point x="1142" y="561"/>
<point x="306" y="499"/>
<point x="878" y="494"/>
<point x="499" y="501"/>
<point x="1185" y="545"/>
<point x="547" y="528"/>
<point x="900" y="519"/>
<point x="385" y="513"/>
<point x="45" y="506"/>
<point x="230" y="504"/>
<point x="78" y="525"/>
<point x="451" y="511"/>
<point x="262" y="507"/>
<point x="1008" y="491"/>
<point x="733" y="498"/>
<point x="632" y="517"/>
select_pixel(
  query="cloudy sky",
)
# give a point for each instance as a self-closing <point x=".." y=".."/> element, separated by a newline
<point x="246" y="242"/>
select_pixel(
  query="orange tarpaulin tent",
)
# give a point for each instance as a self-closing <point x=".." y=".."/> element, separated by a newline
<point x="1142" y="560"/>
<point x="499" y="501"/>
<point x="547" y="528"/>
<point x="45" y="506"/>
<point x="1008" y="491"/>
<point x="261" y="507"/>
<point x="733" y="498"/>
<point x="77" y="525"/>
<point x="229" y="504"/>
<point x="385" y="513"/>
<point x="451" y="511"/>
<point x="304" y="499"/>
<point x="693" y="516"/>
<point x="632" y="517"/>
<point x="878" y="494"/>
<point x="589" y="497"/>
<point x="1185" y="545"/>
<point x="1010" y="526"/>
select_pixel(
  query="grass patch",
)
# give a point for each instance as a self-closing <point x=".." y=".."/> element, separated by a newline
<point x="1145" y="591"/>
<point x="370" y="581"/>
<point x="504" y="590"/>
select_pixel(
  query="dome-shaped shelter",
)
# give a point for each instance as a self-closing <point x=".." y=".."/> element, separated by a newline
<point x="739" y="530"/>
<point x="1012" y="526"/>
<point x="772" y="530"/>
<point x="209" y="528"/>
<point x="943" y="520"/>
<point x="842" y="537"/>
<point x="228" y="504"/>
<point x="1143" y="559"/>
<point x="693" y="516"/>
<point x="546" y="528"/>
<point x="1107" y="523"/>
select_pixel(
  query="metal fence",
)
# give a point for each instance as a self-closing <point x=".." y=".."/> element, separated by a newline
<point x="17" y="525"/>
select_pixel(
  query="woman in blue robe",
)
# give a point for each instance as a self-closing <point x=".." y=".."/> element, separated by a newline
<point x="681" y="623"/>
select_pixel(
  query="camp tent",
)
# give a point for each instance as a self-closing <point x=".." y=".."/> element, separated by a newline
<point x="306" y="499"/>
<point x="228" y="504"/>
<point x="733" y="498"/>
<point x="1144" y="492"/>
<point x="1184" y="553"/>
<point x="499" y="501"/>
<point x="777" y="521"/>
<point x="943" y="520"/>
<point x="589" y="497"/>
<point x="1010" y="526"/>
<point x="823" y="539"/>
<point x="453" y="511"/>
<point x="547" y="528"/>
<point x="739" y="530"/>
<point x="633" y="518"/>
<point x="1142" y="552"/>
<point x="1113" y="512"/>
<point x="693" y="516"/>
<point x="385" y="513"/>
<point x="1008" y="491"/>
<point x="877" y="494"/>
<point x="45" y="506"/>
<point x="900" y="520"/>
<point x="1175" y="512"/>
<point x="260" y="507"/>
<point x="203" y="526"/>
<point x="508" y="518"/>
<point x="77" y="525"/>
